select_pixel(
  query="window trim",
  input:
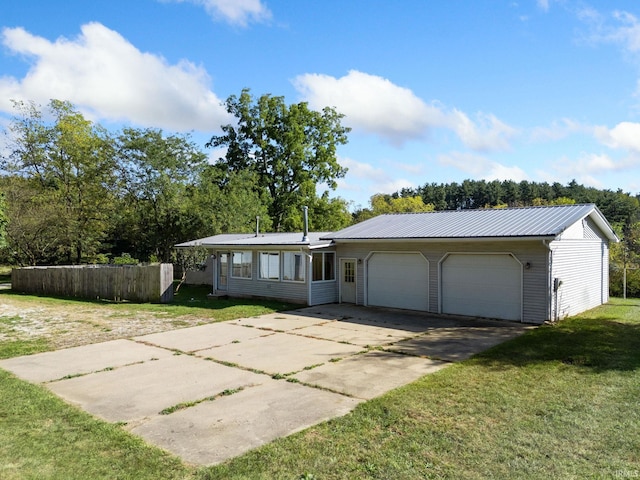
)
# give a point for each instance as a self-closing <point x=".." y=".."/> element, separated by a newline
<point x="270" y="252"/>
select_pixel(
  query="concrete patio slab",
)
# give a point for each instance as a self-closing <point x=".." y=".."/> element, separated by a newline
<point x="280" y="322"/>
<point x="44" y="367"/>
<point x="387" y="317"/>
<point x="204" y="336"/>
<point x="137" y="391"/>
<point x="355" y="333"/>
<point x="215" y="431"/>
<point x="280" y="353"/>
<point x="371" y="374"/>
<point x="457" y="343"/>
<point x="132" y="381"/>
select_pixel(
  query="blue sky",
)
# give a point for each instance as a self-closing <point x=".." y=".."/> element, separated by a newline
<point x="539" y="90"/>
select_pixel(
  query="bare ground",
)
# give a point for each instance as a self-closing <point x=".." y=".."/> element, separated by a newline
<point x="70" y="325"/>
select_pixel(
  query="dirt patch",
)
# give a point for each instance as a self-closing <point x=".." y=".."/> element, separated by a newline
<point x="70" y="325"/>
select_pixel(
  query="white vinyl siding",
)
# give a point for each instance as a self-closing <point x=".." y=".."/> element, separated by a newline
<point x="398" y="280"/>
<point x="583" y="268"/>
<point x="482" y="285"/>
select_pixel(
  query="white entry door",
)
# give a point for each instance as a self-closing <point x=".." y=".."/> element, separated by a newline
<point x="223" y="271"/>
<point x="347" y="280"/>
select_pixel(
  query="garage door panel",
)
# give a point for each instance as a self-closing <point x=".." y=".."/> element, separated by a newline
<point x="398" y="280"/>
<point x="482" y="285"/>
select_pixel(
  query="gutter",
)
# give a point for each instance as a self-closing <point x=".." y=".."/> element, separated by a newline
<point x="443" y="239"/>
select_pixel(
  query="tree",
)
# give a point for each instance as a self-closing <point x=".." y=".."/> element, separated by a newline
<point x="33" y="228"/>
<point x="228" y="202"/>
<point x="383" y="203"/>
<point x="69" y="164"/>
<point x="290" y="148"/>
<point x="157" y="178"/>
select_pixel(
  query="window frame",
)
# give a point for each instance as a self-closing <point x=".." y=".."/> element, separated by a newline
<point x="260" y="272"/>
<point x="303" y="267"/>
<point x="233" y="264"/>
<point x="324" y="266"/>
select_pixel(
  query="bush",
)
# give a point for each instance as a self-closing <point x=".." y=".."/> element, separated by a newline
<point x="616" y="282"/>
<point x="125" y="259"/>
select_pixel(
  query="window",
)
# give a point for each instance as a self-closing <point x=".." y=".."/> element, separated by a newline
<point x="270" y="265"/>
<point x="293" y="266"/>
<point x="241" y="267"/>
<point x="349" y="272"/>
<point x="323" y="265"/>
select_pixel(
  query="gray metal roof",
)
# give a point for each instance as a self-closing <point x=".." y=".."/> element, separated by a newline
<point x="263" y="239"/>
<point x="546" y="221"/>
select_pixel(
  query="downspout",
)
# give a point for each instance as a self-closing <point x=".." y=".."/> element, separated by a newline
<point x="309" y="273"/>
<point x="552" y="310"/>
<point x="305" y="238"/>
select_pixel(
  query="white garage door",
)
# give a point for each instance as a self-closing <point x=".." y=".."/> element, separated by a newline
<point x="398" y="280"/>
<point x="482" y="286"/>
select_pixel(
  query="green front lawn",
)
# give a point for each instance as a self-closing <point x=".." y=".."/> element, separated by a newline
<point x="562" y="401"/>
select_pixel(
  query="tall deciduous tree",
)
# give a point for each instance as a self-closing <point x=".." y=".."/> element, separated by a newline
<point x="157" y="177"/>
<point x="70" y="162"/>
<point x="290" y="148"/>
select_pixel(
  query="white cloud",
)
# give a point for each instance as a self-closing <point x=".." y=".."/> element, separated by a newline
<point x="559" y="130"/>
<point x="487" y="134"/>
<point x="620" y="28"/>
<point x="371" y="103"/>
<point x="543" y="4"/>
<point x="107" y="77"/>
<point x="587" y="169"/>
<point x="235" y="12"/>
<point x="365" y="178"/>
<point x="376" y="105"/>
<point x="478" y="166"/>
<point x="625" y="135"/>
<point x="628" y="33"/>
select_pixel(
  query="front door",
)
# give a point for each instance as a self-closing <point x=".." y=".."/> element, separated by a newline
<point x="347" y="280"/>
<point x="223" y="271"/>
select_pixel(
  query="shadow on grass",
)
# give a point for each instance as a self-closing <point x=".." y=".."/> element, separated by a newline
<point x="595" y="344"/>
<point x="188" y="296"/>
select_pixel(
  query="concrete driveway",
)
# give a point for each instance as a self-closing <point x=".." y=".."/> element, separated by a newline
<point x="212" y="392"/>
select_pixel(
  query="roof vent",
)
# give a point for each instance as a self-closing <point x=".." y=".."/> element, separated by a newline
<point x="305" y="233"/>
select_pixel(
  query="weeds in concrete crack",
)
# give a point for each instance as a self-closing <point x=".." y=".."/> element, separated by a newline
<point x="184" y="405"/>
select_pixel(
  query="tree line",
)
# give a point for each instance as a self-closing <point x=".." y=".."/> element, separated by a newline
<point x="75" y="192"/>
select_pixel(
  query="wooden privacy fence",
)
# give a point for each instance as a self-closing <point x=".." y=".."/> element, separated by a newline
<point x="149" y="283"/>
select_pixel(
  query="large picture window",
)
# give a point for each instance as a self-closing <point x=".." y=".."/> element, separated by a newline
<point x="241" y="266"/>
<point x="293" y="266"/>
<point x="270" y="265"/>
<point x="324" y="266"/>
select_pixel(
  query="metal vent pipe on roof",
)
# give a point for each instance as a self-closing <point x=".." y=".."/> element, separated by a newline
<point x="305" y="234"/>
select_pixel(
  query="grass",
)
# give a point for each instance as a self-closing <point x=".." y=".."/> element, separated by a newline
<point x="41" y="437"/>
<point x="189" y="301"/>
<point x="562" y="401"/>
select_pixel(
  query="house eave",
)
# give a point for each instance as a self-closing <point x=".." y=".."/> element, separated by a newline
<point x="444" y="239"/>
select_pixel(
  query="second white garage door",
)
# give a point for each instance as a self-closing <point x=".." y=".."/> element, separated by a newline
<point x="482" y="285"/>
<point x="398" y="280"/>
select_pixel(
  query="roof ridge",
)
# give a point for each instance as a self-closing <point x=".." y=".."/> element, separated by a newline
<point x="492" y="209"/>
